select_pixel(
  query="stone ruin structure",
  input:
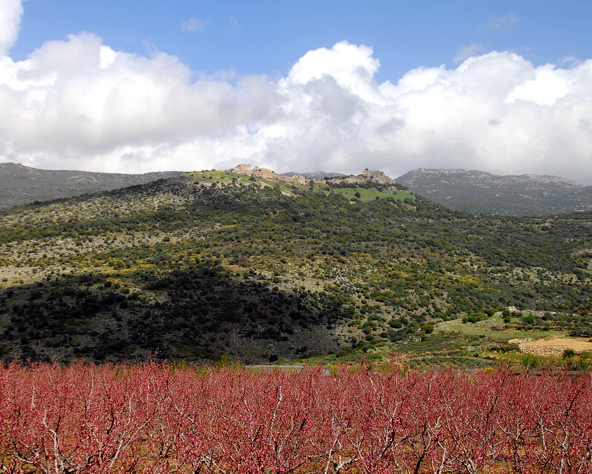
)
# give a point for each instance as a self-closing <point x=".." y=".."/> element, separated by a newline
<point x="257" y="172"/>
<point x="369" y="175"/>
<point x="366" y="175"/>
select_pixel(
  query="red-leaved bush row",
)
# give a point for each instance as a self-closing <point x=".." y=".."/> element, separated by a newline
<point x="155" y="418"/>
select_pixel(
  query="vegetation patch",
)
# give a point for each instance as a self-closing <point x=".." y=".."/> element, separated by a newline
<point x="213" y="263"/>
<point x="365" y="194"/>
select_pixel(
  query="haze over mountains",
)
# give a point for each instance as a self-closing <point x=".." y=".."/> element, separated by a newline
<point x="470" y="191"/>
<point x="477" y="191"/>
<point x="21" y="184"/>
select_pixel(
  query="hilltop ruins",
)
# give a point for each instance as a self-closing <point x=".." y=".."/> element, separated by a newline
<point x="366" y="175"/>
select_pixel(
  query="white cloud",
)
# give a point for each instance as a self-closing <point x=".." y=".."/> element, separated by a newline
<point x="503" y="21"/>
<point x="193" y="24"/>
<point x="10" y="21"/>
<point x="466" y="51"/>
<point x="570" y="61"/>
<point x="545" y="88"/>
<point x="495" y="112"/>
<point x="80" y="104"/>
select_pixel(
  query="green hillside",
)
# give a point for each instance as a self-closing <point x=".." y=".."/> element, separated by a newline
<point x="213" y="264"/>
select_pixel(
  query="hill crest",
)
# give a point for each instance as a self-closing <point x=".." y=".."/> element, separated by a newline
<point x="21" y="184"/>
<point x="479" y="191"/>
<point x="366" y="175"/>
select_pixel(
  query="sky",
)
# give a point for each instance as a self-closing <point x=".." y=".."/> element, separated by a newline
<point x="339" y="86"/>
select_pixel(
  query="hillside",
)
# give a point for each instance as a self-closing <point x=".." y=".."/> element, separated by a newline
<point x="212" y="264"/>
<point x="21" y="184"/>
<point x="477" y="191"/>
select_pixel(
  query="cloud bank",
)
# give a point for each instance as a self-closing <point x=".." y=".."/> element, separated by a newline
<point x="79" y="104"/>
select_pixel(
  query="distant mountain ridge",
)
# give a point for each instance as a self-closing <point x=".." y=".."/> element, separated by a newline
<point x="470" y="191"/>
<point x="478" y="191"/>
<point x="21" y="184"/>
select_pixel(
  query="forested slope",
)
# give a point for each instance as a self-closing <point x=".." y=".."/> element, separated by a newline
<point x="213" y="263"/>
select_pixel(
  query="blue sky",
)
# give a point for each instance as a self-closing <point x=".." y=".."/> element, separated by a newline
<point x="268" y="37"/>
<point x="133" y="86"/>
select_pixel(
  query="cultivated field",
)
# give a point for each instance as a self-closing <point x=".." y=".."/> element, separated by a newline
<point x="556" y="345"/>
<point x="158" y="418"/>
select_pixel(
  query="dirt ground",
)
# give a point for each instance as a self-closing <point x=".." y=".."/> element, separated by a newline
<point x="554" y="346"/>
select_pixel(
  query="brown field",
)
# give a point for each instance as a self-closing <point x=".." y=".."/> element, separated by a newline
<point x="554" y="346"/>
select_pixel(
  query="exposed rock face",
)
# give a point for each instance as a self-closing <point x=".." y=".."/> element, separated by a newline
<point x="477" y="191"/>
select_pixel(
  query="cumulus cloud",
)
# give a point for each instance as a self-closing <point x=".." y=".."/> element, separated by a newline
<point x="10" y="20"/>
<point x="80" y="104"/>
<point x="495" y="112"/>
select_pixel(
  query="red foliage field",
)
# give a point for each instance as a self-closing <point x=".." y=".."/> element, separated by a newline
<point x="155" y="418"/>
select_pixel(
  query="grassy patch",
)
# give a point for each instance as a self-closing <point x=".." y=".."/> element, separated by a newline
<point x="492" y="328"/>
<point x="370" y="194"/>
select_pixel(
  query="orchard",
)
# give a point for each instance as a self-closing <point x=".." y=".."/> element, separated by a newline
<point x="162" y="418"/>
